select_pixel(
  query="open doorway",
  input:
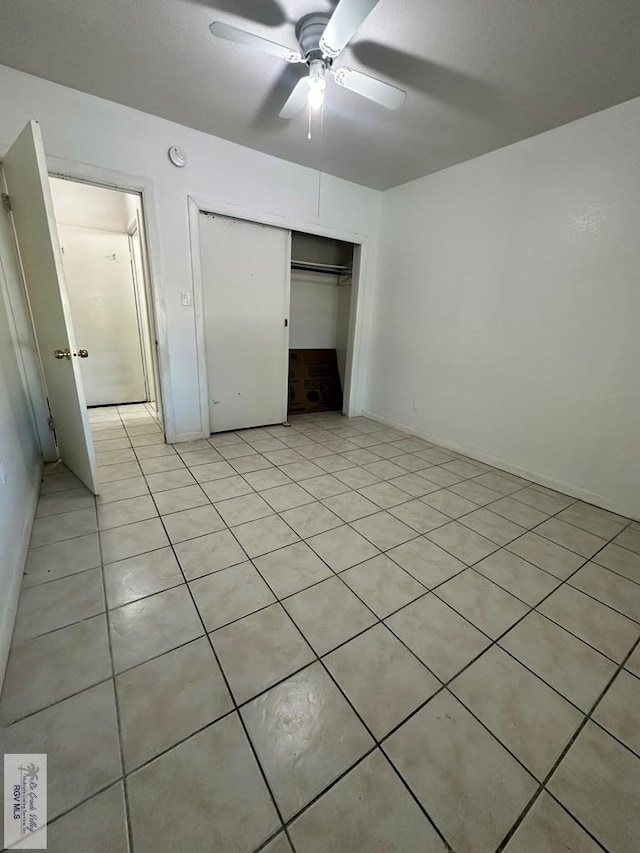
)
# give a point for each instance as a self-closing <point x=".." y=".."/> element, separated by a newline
<point x="321" y="275"/>
<point x="101" y="233"/>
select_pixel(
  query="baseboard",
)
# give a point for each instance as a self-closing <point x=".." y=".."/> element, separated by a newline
<point x="503" y="465"/>
<point x="10" y="604"/>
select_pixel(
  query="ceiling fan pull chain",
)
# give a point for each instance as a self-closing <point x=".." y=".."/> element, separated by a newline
<point x="310" y="114"/>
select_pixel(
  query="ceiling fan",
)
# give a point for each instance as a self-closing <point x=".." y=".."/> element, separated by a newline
<point x="321" y="38"/>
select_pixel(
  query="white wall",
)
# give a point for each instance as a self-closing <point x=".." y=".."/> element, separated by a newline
<point x="87" y="137"/>
<point x="319" y="317"/>
<point x="314" y="311"/>
<point x="99" y="279"/>
<point x="509" y="308"/>
<point x="20" y="457"/>
<point x="90" y="207"/>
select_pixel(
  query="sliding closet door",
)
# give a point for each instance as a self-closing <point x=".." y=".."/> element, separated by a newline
<point x="246" y="271"/>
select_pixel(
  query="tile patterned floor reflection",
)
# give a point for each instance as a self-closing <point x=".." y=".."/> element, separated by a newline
<point x="325" y="638"/>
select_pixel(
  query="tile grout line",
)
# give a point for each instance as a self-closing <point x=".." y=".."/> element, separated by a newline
<point x="327" y="672"/>
<point x="469" y="710"/>
<point x="320" y="660"/>
<point x="586" y="719"/>
<point x="115" y="693"/>
<point x="562" y="580"/>
<point x="235" y="709"/>
<point x="344" y="523"/>
<point x="432" y="589"/>
<point x="495" y="641"/>
<point x="427" y="590"/>
<point x="512" y="495"/>
<point x="456" y="456"/>
<point x="380" y="742"/>
<point x="532" y="608"/>
<point x="492" y="643"/>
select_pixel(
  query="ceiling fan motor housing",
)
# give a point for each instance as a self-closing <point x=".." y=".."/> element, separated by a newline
<point x="309" y="31"/>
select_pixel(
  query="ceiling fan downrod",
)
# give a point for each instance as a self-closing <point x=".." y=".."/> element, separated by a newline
<point x="309" y="32"/>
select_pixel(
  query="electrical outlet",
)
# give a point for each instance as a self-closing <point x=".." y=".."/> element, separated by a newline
<point x="186" y="298"/>
<point x="416" y="405"/>
<point x="3" y="475"/>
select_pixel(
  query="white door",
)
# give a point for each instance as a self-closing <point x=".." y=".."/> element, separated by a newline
<point x="99" y="277"/>
<point x="25" y="171"/>
<point x="246" y="271"/>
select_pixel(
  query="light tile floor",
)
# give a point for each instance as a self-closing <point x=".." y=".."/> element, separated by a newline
<point x="325" y="638"/>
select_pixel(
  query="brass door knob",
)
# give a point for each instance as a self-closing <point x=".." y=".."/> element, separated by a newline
<point x="62" y="353"/>
<point x="83" y="353"/>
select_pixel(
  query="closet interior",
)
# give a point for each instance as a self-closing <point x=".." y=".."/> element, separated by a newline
<point x="321" y="274"/>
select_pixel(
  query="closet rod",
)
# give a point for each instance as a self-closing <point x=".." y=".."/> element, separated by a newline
<point x="331" y="269"/>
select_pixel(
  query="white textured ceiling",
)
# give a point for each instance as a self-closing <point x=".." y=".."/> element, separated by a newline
<point x="480" y="74"/>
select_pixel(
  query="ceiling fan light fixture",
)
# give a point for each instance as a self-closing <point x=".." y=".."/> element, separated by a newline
<point x="316" y="98"/>
<point x="317" y="82"/>
<point x="317" y="85"/>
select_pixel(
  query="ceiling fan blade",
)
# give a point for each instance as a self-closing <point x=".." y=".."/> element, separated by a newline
<point x="347" y="17"/>
<point x="226" y="31"/>
<point x="384" y="94"/>
<point x="297" y="100"/>
<point x="441" y="82"/>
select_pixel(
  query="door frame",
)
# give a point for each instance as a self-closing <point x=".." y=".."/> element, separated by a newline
<point x="98" y="176"/>
<point x="146" y="323"/>
<point x="140" y="321"/>
<point x="197" y="204"/>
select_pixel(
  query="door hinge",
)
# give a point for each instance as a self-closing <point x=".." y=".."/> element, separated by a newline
<point x="6" y="202"/>
<point x="286" y="322"/>
<point x="51" y="423"/>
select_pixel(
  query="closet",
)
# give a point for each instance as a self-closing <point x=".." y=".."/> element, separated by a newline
<point x="321" y="270"/>
<point x="271" y="298"/>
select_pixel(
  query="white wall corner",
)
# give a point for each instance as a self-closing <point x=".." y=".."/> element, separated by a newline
<point x="628" y="511"/>
<point x="9" y="604"/>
